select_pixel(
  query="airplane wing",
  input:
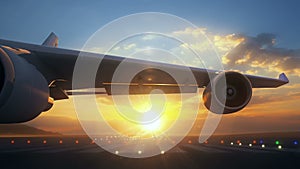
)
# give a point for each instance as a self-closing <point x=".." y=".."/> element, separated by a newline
<point x="57" y="66"/>
<point x="33" y="76"/>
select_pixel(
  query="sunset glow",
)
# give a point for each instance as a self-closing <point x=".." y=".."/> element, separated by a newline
<point x="276" y="106"/>
<point x="146" y="123"/>
<point x="153" y="127"/>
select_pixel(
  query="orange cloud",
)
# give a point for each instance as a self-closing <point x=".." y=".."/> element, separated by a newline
<point x="260" y="53"/>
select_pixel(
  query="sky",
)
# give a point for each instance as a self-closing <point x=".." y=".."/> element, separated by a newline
<point x="74" y="21"/>
<point x="255" y="37"/>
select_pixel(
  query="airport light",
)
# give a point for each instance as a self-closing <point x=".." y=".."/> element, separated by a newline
<point x="231" y="143"/>
<point x="222" y="141"/>
<point x="162" y="152"/>
<point x="139" y="152"/>
<point x="250" y="145"/>
<point x="261" y="141"/>
<point x="277" y="142"/>
<point x="28" y="141"/>
<point x="76" y="142"/>
<point x="12" y="141"/>
<point x="44" y="142"/>
<point x="240" y="144"/>
<point x="190" y="141"/>
<point x="60" y="141"/>
<point x="263" y="146"/>
<point x="117" y="152"/>
<point x="295" y="142"/>
<point x="279" y="147"/>
<point x="254" y="141"/>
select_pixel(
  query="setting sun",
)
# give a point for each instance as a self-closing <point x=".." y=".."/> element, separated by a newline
<point x="153" y="126"/>
<point x="146" y="122"/>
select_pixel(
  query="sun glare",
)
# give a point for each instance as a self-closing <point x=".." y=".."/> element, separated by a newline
<point x="151" y="122"/>
<point x="152" y="126"/>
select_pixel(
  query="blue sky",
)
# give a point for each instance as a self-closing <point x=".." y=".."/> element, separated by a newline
<point x="74" y="21"/>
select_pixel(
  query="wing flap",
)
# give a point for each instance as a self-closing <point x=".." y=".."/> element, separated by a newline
<point x="124" y="89"/>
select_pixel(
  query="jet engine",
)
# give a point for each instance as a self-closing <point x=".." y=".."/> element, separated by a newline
<point x="24" y="91"/>
<point x="228" y="92"/>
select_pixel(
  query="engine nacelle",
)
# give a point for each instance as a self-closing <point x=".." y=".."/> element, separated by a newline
<point x="227" y="93"/>
<point x="24" y="91"/>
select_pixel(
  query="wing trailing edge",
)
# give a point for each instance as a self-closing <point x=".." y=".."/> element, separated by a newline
<point x="266" y="82"/>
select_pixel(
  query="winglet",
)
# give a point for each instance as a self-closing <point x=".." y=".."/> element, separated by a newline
<point x="283" y="77"/>
<point x="51" y="41"/>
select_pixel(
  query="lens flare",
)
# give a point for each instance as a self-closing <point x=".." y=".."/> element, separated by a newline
<point x="153" y="126"/>
<point x="151" y="123"/>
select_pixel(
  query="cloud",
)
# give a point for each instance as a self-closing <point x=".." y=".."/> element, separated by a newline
<point x="261" y="53"/>
<point x="225" y="43"/>
<point x="129" y="46"/>
<point x="295" y="95"/>
<point x="148" y="37"/>
<point x="210" y="47"/>
<point x="248" y="54"/>
<point x="264" y="99"/>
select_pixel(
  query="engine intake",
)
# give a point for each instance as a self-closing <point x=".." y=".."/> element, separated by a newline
<point x="227" y="93"/>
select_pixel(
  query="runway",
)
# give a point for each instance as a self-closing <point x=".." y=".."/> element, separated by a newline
<point x="81" y="152"/>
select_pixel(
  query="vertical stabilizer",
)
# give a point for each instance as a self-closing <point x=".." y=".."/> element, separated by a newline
<point x="51" y="41"/>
